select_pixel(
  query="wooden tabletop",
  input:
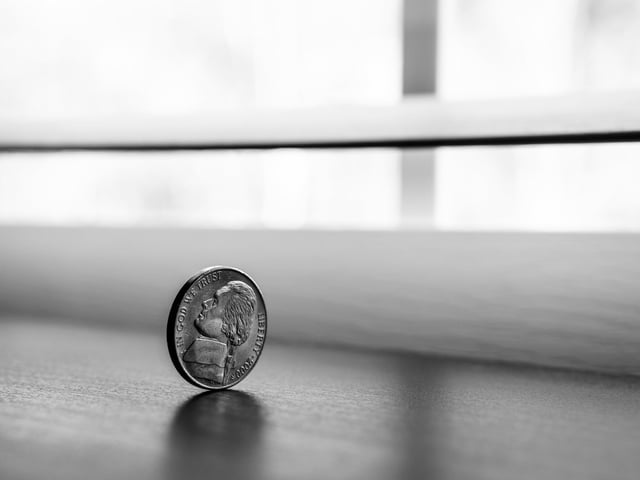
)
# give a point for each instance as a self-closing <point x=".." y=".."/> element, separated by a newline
<point x="81" y="402"/>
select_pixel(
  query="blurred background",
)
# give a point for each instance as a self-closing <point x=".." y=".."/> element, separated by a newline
<point x="78" y="58"/>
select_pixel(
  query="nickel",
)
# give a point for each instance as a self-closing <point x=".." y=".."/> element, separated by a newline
<point x="217" y="328"/>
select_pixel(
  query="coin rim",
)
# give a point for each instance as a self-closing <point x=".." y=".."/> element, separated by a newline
<point x="171" y="325"/>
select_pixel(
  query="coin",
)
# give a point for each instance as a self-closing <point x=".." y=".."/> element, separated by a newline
<point x="217" y="328"/>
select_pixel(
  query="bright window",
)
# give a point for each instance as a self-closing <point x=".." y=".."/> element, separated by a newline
<point x="73" y="58"/>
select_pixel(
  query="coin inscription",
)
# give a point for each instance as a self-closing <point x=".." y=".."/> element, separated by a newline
<point x="217" y="327"/>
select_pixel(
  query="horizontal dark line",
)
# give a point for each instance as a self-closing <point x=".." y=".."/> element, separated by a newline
<point x="569" y="138"/>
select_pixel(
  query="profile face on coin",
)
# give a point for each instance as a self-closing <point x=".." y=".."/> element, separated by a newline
<point x="217" y="328"/>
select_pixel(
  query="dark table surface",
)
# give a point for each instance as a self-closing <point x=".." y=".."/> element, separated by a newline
<point x="84" y="402"/>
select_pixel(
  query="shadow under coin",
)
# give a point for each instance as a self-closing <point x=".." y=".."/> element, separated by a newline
<point x="217" y="433"/>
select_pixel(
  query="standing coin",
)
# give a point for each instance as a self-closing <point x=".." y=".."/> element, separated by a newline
<point x="217" y="328"/>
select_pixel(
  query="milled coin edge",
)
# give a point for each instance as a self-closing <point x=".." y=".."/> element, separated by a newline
<point x="171" y="325"/>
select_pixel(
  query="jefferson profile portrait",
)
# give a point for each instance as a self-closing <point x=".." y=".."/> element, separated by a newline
<point x="224" y="323"/>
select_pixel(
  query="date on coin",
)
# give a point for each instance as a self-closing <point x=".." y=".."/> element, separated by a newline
<point x="217" y="328"/>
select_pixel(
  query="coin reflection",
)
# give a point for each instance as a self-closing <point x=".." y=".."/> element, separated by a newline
<point x="217" y="433"/>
